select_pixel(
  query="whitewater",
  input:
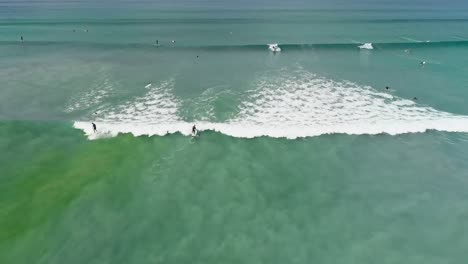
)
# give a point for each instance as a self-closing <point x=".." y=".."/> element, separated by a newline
<point x="305" y="105"/>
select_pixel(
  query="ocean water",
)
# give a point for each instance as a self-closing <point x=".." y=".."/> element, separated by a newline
<point x="302" y="156"/>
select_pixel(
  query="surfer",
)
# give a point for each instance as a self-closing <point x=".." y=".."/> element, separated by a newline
<point x="94" y="127"/>
<point x="22" y="40"/>
<point x="194" y="130"/>
<point x="422" y="63"/>
<point x="387" y="88"/>
<point x="415" y="98"/>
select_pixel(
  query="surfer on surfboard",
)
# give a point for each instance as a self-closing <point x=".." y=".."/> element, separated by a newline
<point x="194" y="131"/>
<point x="94" y="127"/>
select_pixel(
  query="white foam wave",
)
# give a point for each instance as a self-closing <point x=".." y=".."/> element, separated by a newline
<point x="366" y="46"/>
<point x="274" y="47"/>
<point x="90" y="98"/>
<point x="304" y="106"/>
<point x="157" y="105"/>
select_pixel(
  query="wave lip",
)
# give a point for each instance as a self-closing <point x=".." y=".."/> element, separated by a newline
<point x="243" y="130"/>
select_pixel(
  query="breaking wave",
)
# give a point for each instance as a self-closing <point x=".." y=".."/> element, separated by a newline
<point x="290" y="106"/>
<point x="407" y="43"/>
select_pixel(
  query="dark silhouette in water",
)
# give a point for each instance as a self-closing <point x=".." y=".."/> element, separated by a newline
<point x="22" y="40"/>
<point x="194" y="129"/>
<point x="94" y="127"/>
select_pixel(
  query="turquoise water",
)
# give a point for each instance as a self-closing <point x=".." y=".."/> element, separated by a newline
<point x="302" y="155"/>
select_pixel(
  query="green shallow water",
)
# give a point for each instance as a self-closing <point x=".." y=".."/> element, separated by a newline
<point x="332" y="199"/>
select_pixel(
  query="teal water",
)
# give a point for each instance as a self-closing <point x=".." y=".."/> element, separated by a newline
<point x="302" y="156"/>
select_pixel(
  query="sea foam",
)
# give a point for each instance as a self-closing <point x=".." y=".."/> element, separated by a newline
<point x="291" y="105"/>
<point x="366" y="46"/>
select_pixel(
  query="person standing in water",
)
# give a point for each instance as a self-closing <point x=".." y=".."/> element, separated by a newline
<point x="22" y="40"/>
<point x="194" y="130"/>
<point x="94" y="127"/>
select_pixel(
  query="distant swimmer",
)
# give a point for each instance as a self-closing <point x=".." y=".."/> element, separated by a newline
<point x="86" y="30"/>
<point x="407" y="50"/>
<point x="22" y="40"/>
<point x="173" y="41"/>
<point x="197" y="56"/>
<point x="94" y="127"/>
<point x="157" y="42"/>
<point x="415" y="98"/>
<point x="422" y="63"/>
<point x="387" y="88"/>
